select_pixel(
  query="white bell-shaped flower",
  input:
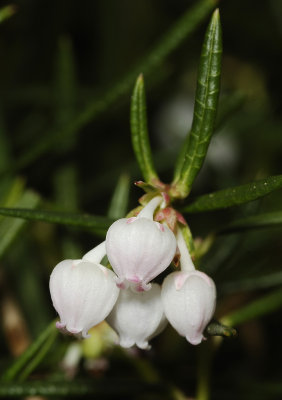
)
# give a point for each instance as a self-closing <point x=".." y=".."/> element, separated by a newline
<point x="189" y="303"/>
<point x="138" y="317"/>
<point x="83" y="292"/>
<point x="139" y="248"/>
<point x="189" y="298"/>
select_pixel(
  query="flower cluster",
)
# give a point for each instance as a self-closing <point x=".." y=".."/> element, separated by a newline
<point x="84" y="292"/>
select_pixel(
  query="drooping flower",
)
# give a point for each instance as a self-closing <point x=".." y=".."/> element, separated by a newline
<point x="138" y="317"/>
<point x="189" y="298"/>
<point x="83" y="292"/>
<point x="139" y="248"/>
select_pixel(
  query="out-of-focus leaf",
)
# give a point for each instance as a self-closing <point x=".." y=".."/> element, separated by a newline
<point x="67" y="197"/>
<point x="195" y="147"/>
<point x="13" y="194"/>
<point x="12" y="372"/>
<point x="267" y="220"/>
<point x="40" y="354"/>
<point x="255" y="282"/>
<point x="235" y="195"/>
<point x="119" y="201"/>
<point x="99" y="388"/>
<point x="95" y="223"/>
<point x="10" y="228"/>
<point x="262" y="306"/>
<point x="228" y="105"/>
<point x="139" y="132"/>
<point x="184" y="27"/>
<point x="7" y="12"/>
<point x="66" y="188"/>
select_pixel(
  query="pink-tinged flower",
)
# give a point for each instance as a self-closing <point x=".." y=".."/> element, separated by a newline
<point x="138" y="317"/>
<point x="139" y="248"/>
<point x="189" y="300"/>
<point x="83" y="292"/>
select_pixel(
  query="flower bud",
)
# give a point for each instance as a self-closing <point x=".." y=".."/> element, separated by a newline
<point x="83" y="293"/>
<point x="189" y="303"/>
<point x="138" y="317"/>
<point x="139" y="248"/>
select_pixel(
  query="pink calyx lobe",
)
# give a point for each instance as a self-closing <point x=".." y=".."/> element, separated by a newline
<point x="170" y="216"/>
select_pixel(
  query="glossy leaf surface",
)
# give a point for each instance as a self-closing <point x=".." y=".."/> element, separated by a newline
<point x="235" y="196"/>
<point x="95" y="223"/>
<point x="194" y="150"/>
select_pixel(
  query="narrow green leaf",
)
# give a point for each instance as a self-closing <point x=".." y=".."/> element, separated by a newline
<point x="139" y="132"/>
<point x="12" y="372"/>
<point x="235" y="195"/>
<point x="194" y="150"/>
<point x="265" y="305"/>
<point x="119" y="201"/>
<point x="182" y="29"/>
<point x="267" y="220"/>
<point x="96" y="223"/>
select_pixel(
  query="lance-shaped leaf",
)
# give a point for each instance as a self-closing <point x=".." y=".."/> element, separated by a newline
<point x="235" y="195"/>
<point x="97" y="224"/>
<point x="267" y="220"/>
<point x="193" y="153"/>
<point x="139" y="132"/>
